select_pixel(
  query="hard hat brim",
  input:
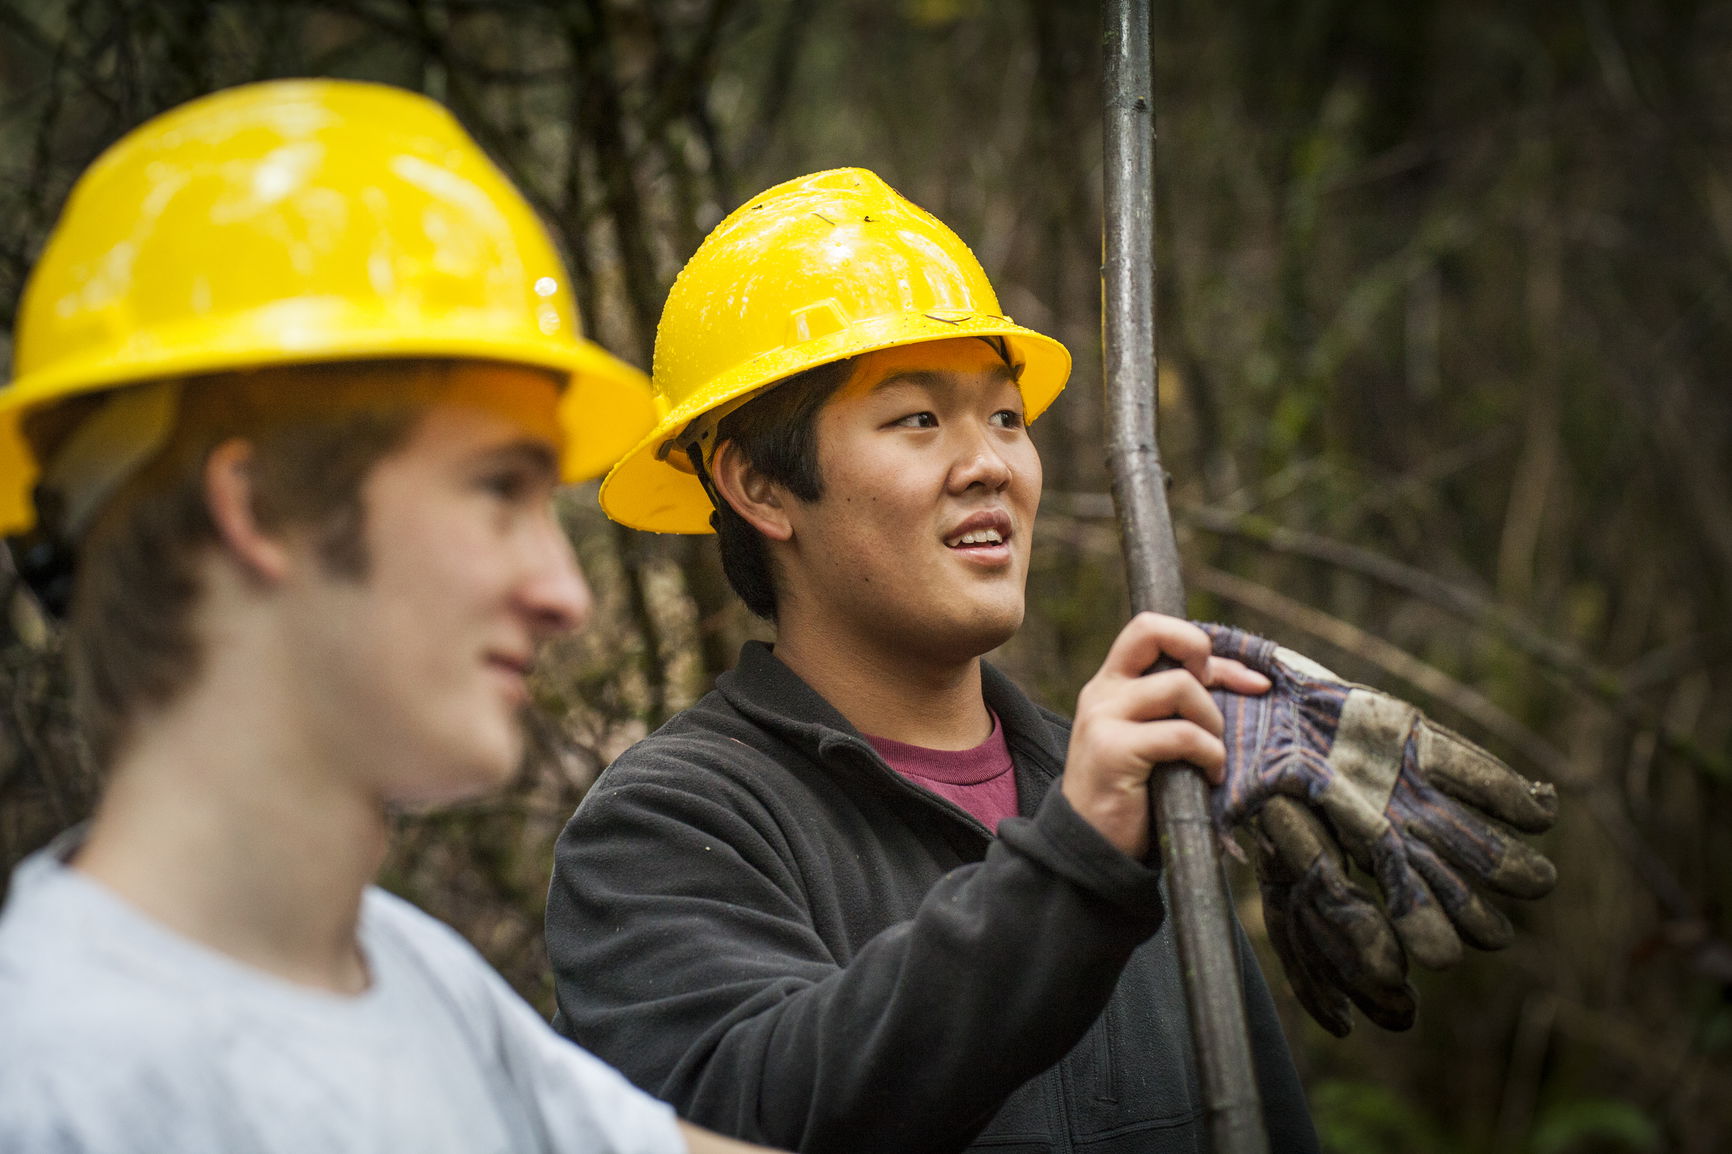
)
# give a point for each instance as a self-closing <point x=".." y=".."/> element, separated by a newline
<point x="645" y="492"/>
<point x="605" y="404"/>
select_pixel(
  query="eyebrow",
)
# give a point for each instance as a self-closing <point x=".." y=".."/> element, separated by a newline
<point x="932" y="378"/>
<point x="536" y="455"/>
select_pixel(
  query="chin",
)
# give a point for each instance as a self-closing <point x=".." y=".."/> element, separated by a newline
<point x="978" y="637"/>
<point x="448" y="791"/>
<point x="452" y="780"/>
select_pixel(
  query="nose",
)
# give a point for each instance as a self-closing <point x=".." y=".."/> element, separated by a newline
<point x="554" y="594"/>
<point x="980" y="461"/>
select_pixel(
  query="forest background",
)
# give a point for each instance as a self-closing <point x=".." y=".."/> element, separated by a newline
<point x="1445" y="313"/>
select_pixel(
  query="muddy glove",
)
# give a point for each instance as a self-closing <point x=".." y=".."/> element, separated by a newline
<point x="1334" y="941"/>
<point x="1424" y="811"/>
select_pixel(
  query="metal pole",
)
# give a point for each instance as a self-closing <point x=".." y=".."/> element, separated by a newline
<point x="1197" y="891"/>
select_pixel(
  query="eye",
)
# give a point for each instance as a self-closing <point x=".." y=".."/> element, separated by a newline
<point x="512" y="486"/>
<point x="921" y="420"/>
<point x="1008" y="418"/>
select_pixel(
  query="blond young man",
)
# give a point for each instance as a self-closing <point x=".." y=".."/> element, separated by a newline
<point x="296" y="379"/>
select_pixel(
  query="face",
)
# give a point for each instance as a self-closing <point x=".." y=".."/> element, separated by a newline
<point x="920" y="541"/>
<point x="416" y="671"/>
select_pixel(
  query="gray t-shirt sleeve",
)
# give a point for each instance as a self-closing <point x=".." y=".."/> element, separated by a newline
<point x="582" y="1103"/>
<point x="568" y="1098"/>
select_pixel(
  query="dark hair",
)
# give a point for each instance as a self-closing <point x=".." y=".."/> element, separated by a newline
<point x="777" y="433"/>
<point x="317" y="431"/>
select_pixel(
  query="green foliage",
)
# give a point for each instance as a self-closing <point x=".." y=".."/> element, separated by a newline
<point x="1594" y="1124"/>
<point x="1367" y="1118"/>
<point x="1715" y="1028"/>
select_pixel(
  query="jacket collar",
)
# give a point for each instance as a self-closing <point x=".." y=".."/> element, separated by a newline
<point x="773" y="696"/>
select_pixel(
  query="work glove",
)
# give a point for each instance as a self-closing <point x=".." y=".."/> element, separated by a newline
<point x="1319" y="765"/>
<point x="1335" y="943"/>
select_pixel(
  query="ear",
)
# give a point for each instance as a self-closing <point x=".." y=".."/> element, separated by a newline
<point x="228" y="494"/>
<point x="761" y="501"/>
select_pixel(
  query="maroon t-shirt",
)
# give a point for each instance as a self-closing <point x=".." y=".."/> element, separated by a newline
<point x="980" y="780"/>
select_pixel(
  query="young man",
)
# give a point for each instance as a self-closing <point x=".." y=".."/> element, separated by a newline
<point x="866" y="896"/>
<point x="296" y="378"/>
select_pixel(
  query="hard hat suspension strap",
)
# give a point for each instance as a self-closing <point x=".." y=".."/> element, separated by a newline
<point x="111" y="445"/>
<point x="695" y="454"/>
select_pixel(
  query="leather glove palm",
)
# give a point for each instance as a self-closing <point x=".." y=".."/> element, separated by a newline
<point x="1320" y="763"/>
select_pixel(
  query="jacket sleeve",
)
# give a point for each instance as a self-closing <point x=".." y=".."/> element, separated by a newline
<point x="685" y="952"/>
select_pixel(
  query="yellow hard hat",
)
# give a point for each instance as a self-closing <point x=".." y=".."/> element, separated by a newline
<point x="815" y="270"/>
<point x="297" y="222"/>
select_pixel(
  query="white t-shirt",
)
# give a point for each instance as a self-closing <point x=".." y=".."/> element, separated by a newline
<point x="118" y="1036"/>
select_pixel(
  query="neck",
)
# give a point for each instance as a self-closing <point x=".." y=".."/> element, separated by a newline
<point x="221" y="823"/>
<point x="916" y="699"/>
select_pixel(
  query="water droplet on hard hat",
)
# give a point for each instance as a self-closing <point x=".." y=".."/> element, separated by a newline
<point x="546" y="287"/>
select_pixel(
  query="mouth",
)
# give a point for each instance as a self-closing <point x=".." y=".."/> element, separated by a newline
<point x="983" y="532"/>
<point x="515" y="670"/>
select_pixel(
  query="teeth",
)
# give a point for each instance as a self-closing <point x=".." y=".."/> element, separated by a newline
<point x="978" y="537"/>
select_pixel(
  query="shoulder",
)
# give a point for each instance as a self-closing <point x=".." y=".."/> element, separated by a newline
<point x="709" y="750"/>
<point x="82" y="976"/>
<point x="417" y="952"/>
<point x="383" y="913"/>
<point x="95" y="1061"/>
<point x="76" y="1015"/>
<point x="709" y="790"/>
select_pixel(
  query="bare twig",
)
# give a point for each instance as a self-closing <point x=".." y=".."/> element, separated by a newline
<point x="784" y="66"/>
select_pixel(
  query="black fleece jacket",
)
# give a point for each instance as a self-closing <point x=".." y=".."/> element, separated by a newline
<point x="755" y="918"/>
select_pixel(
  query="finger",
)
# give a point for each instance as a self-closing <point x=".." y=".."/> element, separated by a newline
<point x="1347" y="924"/>
<point x="1463" y="770"/>
<point x="1392" y="1008"/>
<point x="1478" y="848"/>
<point x="1492" y="858"/>
<point x="1429" y="937"/>
<point x="1155" y="743"/>
<point x="1479" y="924"/>
<point x="1169" y="693"/>
<point x="1235" y="676"/>
<point x="1327" y="1006"/>
<point x="1337" y="918"/>
<point x="1148" y="637"/>
<point x="1362" y="957"/>
<point x="1425" y="930"/>
<point x="1256" y="652"/>
<point x="1296" y="862"/>
<point x="1523" y="872"/>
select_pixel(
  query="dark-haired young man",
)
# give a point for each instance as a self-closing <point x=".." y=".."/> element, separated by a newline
<point x="866" y="896"/>
<point x="296" y="378"/>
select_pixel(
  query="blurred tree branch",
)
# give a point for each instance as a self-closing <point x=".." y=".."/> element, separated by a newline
<point x="1475" y="608"/>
